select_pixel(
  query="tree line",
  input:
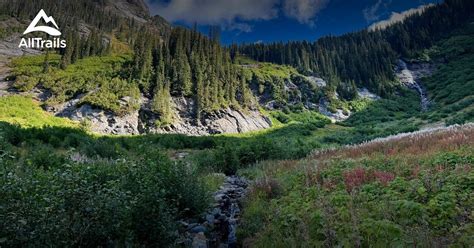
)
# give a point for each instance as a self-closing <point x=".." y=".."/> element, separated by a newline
<point x="182" y="62"/>
<point x="366" y="58"/>
<point x="191" y="65"/>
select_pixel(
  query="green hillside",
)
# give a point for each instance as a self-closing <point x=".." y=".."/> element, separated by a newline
<point x="313" y="183"/>
<point x="22" y="110"/>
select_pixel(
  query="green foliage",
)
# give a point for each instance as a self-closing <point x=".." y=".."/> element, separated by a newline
<point x="99" y="78"/>
<point x="187" y="64"/>
<point x="390" y="205"/>
<point x="267" y="71"/>
<point x="380" y="118"/>
<point x="213" y="181"/>
<point x="161" y="104"/>
<point x="271" y="82"/>
<point x="268" y="80"/>
<point x="306" y="117"/>
<point x="451" y="87"/>
<point x="392" y="109"/>
<point x="61" y="187"/>
<point x="294" y="140"/>
<point x="347" y="91"/>
<point x="366" y="58"/>
<point x="111" y="90"/>
<point x="24" y="111"/>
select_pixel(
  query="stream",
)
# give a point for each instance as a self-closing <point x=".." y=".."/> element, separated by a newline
<point x="410" y="78"/>
<point x="217" y="227"/>
<point x="423" y="96"/>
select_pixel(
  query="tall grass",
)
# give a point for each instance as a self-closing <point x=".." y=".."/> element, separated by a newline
<point x="420" y="142"/>
<point x="24" y="111"/>
<point x="398" y="191"/>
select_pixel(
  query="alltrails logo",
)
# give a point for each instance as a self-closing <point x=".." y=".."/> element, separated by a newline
<point x="40" y="42"/>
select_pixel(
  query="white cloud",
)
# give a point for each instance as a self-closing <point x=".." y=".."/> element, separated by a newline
<point x="372" y="13"/>
<point x="235" y="14"/>
<point x="240" y="26"/>
<point x="227" y="13"/>
<point x="303" y="10"/>
<point x="398" y="17"/>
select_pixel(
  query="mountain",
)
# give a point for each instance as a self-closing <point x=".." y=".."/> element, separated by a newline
<point x="364" y="139"/>
<point x="136" y="9"/>
<point x="174" y="80"/>
<point x="398" y="17"/>
<point x="367" y="57"/>
<point x="122" y="26"/>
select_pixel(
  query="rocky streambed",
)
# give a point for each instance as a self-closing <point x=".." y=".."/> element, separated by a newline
<point x="217" y="227"/>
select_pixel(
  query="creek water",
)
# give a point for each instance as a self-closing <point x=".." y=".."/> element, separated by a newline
<point x="218" y="226"/>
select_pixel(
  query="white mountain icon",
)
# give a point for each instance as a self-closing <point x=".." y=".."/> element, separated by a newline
<point x="47" y="19"/>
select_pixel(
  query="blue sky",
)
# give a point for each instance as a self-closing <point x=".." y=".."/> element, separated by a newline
<point x="280" y="20"/>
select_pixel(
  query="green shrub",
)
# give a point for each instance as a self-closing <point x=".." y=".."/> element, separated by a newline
<point x="96" y="204"/>
<point x="45" y="157"/>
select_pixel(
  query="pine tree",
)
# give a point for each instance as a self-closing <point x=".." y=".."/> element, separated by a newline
<point x="161" y="104"/>
<point x="76" y="47"/>
<point x="46" y="62"/>
<point x="67" y="55"/>
<point x="245" y="94"/>
<point x="185" y="75"/>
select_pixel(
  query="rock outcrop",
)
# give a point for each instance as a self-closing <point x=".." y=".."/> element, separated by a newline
<point x="96" y="119"/>
<point x="136" y="9"/>
<point x="144" y="120"/>
<point x="339" y="115"/>
<point x="104" y="122"/>
<point x="9" y="48"/>
<point x="226" y="120"/>
<point x="316" y="80"/>
<point x="365" y="93"/>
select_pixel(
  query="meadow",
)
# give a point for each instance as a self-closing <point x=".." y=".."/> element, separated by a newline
<point x="414" y="190"/>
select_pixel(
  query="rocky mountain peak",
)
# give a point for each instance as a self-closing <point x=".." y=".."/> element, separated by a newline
<point x="136" y="9"/>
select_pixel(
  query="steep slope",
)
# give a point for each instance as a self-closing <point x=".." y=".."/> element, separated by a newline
<point x="154" y="78"/>
<point x="136" y="9"/>
<point x="118" y="27"/>
<point x="410" y="75"/>
<point x="367" y="58"/>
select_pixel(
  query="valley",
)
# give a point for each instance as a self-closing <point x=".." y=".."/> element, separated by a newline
<point x="143" y="133"/>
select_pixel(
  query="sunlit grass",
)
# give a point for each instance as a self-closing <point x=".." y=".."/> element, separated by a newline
<point x="26" y="112"/>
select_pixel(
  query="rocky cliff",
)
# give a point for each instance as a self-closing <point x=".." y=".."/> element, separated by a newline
<point x="143" y="121"/>
<point x="226" y="120"/>
<point x="136" y="9"/>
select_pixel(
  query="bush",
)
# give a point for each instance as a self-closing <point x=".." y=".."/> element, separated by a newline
<point x="98" y="204"/>
<point x="45" y="157"/>
<point x="117" y="195"/>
